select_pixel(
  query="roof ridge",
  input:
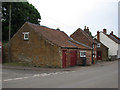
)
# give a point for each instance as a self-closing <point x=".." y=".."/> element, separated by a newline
<point x="44" y="26"/>
<point x="56" y="37"/>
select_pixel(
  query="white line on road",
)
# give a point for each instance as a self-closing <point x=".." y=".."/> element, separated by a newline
<point x="36" y="75"/>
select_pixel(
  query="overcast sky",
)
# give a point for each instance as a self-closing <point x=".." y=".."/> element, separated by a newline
<point x="69" y="15"/>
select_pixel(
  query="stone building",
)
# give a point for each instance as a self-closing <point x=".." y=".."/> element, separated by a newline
<point x="45" y="47"/>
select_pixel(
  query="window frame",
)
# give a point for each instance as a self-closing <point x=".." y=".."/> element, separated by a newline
<point x="81" y="53"/>
<point x="98" y="45"/>
<point x="26" y="33"/>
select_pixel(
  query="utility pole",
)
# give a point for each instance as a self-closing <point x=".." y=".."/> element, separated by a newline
<point x="9" y="46"/>
<point x="9" y="22"/>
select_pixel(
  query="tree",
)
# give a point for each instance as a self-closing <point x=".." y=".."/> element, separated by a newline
<point x="21" y="12"/>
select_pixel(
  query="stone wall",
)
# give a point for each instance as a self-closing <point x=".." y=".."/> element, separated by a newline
<point x="36" y="51"/>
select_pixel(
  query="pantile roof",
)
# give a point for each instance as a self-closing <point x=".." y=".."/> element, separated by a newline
<point x="57" y="37"/>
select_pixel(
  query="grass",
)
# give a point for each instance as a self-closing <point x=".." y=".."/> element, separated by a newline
<point x="16" y="64"/>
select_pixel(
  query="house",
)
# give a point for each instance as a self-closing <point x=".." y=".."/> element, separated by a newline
<point x="83" y="36"/>
<point x="102" y="51"/>
<point x="111" y="41"/>
<point x="45" y="47"/>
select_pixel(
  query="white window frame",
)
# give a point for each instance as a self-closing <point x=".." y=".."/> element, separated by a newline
<point x="98" y="45"/>
<point x="81" y="53"/>
<point x="26" y="33"/>
<point x="93" y="45"/>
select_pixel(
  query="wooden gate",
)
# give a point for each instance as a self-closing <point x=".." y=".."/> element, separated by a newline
<point x="73" y="58"/>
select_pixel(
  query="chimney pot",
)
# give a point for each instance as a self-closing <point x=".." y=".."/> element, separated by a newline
<point x="88" y="28"/>
<point x="104" y="31"/>
<point x="111" y="33"/>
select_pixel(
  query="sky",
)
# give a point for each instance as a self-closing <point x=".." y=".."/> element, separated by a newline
<point x="69" y="15"/>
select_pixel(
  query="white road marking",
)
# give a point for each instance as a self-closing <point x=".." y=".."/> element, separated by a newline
<point x="16" y="78"/>
<point x="36" y="75"/>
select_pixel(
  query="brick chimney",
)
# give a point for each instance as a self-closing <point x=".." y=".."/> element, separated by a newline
<point x="86" y="30"/>
<point x="111" y="33"/>
<point x="98" y="35"/>
<point x="105" y="31"/>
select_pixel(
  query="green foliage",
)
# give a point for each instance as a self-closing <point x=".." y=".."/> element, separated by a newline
<point x="21" y="12"/>
<point x="91" y="35"/>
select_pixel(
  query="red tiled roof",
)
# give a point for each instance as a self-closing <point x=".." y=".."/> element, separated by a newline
<point x="57" y="37"/>
<point x="80" y="35"/>
<point x="114" y="38"/>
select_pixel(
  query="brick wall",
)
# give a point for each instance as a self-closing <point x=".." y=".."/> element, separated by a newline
<point x="88" y="57"/>
<point x="104" y="51"/>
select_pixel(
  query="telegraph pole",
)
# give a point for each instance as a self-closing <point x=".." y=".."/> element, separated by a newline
<point x="9" y="22"/>
<point x="9" y="46"/>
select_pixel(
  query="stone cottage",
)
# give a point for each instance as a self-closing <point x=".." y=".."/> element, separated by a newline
<point x="45" y="47"/>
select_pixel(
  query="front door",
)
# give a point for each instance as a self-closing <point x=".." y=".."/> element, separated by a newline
<point x="99" y="55"/>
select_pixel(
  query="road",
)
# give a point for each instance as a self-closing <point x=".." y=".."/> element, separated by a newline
<point x="103" y="75"/>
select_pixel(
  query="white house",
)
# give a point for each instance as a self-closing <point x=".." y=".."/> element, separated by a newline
<point x="111" y="41"/>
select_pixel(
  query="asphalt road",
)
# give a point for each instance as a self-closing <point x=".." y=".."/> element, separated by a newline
<point x="103" y="75"/>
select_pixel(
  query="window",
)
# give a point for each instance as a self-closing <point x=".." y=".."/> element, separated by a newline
<point x="26" y="35"/>
<point x="93" y="45"/>
<point x="82" y="53"/>
<point x="98" y="45"/>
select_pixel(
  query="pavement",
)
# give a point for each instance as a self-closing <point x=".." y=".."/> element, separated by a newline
<point x="100" y="75"/>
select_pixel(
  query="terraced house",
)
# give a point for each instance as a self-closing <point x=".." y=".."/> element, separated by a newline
<point x="111" y="41"/>
<point x="45" y="47"/>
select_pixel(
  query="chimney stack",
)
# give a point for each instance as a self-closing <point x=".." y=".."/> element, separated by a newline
<point x="104" y="31"/>
<point x="111" y="33"/>
<point x="98" y="35"/>
<point x="86" y="30"/>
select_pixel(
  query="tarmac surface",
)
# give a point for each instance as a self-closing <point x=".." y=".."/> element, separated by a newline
<point x="100" y="75"/>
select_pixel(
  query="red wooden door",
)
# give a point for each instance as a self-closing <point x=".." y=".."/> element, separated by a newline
<point x="64" y="58"/>
<point x="73" y="58"/>
<point x="99" y="55"/>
